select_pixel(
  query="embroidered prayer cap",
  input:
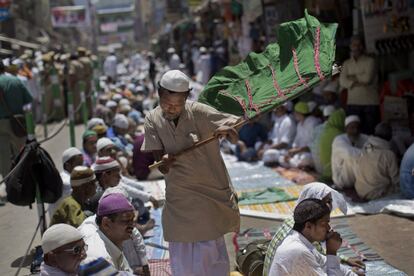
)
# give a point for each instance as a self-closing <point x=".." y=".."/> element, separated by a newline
<point x="81" y="175"/>
<point x="175" y="81"/>
<point x="113" y="204"/>
<point x="104" y="163"/>
<point x="104" y="142"/>
<point x="302" y="107"/>
<point x="69" y="153"/>
<point x="351" y="119"/>
<point x="120" y="121"/>
<point x="310" y="209"/>
<point x="89" y="134"/>
<point x="59" y="235"/>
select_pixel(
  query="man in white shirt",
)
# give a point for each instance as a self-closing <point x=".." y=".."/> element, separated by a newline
<point x="110" y="65"/>
<point x="281" y="136"/>
<point x="346" y="148"/>
<point x="297" y="256"/>
<point x="115" y="219"/>
<point x="63" y="248"/>
<point x="359" y="76"/>
<point x="71" y="158"/>
<point x="299" y="155"/>
<point x="174" y="59"/>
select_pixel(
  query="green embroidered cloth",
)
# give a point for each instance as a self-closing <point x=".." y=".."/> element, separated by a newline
<point x="302" y="58"/>
<point x="269" y="195"/>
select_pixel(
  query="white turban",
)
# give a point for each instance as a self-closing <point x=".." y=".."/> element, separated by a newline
<point x="69" y="153"/>
<point x="58" y="235"/>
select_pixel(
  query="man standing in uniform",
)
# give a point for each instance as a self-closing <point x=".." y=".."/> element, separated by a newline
<point x="13" y="97"/>
<point x="200" y="203"/>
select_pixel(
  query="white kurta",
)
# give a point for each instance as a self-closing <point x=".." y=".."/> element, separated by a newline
<point x="343" y="158"/>
<point x="296" y="256"/>
<point x="199" y="258"/>
<point x="376" y="171"/>
<point x="110" y="66"/>
<point x="284" y="130"/>
<point x="47" y="270"/>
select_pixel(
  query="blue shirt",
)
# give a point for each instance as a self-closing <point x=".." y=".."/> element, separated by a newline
<point x="251" y="133"/>
<point x="406" y="173"/>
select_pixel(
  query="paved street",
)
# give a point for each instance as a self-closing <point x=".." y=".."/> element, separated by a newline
<point x="390" y="236"/>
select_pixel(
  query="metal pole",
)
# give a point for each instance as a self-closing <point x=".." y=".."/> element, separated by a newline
<point x="30" y="128"/>
<point x="71" y="114"/>
<point x="83" y="102"/>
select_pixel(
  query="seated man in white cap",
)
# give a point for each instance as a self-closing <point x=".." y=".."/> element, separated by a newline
<point x="71" y="158"/>
<point x="70" y="209"/>
<point x="115" y="219"/>
<point x="299" y="156"/>
<point x="376" y="170"/>
<point x="64" y="249"/>
<point x="346" y="148"/>
<point x="281" y="136"/>
<point x="200" y="203"/>
<point x="118" y="131"/>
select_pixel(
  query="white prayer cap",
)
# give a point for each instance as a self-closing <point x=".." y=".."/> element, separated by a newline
<point x="58" y="235"/>
<point x="93" y="122"/>
<point x="104" y="142"/>
<point x="288" y="105"/>
<point x="351" y="119"/>
<point x="121" y="121"/>
<point x="140" y="88"/>
<point x="271" y="156"/>
<point x="328" y="110"/>
<point x="311" y="106"/>
<point x="332" y="86"/>
<point x="203" y="50"/>
<point x="175" y="81"/>
<point x="131" y="87"/>
<point x="117" y="97"/>
<point x="171" y="50"/>
<point x="69" y="153"/>
<point x="124" y="102"/>
<point x="110" y="104"/>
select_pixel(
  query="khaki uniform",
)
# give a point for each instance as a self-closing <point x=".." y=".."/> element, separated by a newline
<point x="200" y="202"/>
<point x="52" y="111"/>
<point x="87" y="78"/>
<point x="76" y="71"/>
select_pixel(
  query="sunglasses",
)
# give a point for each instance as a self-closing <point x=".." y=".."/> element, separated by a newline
<point x="77" y="249"/>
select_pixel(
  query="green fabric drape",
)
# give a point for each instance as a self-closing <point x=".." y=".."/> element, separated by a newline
<point x="304" y="55"/>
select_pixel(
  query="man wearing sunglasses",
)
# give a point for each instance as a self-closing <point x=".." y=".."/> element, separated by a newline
<point x="63" y="249"/>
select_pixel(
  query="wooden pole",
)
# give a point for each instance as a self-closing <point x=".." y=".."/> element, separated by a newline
<point x="201" y="143"/>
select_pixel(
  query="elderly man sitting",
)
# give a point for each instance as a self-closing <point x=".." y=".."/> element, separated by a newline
<point x="63" y="249"/>
<point x="376" y="170"/>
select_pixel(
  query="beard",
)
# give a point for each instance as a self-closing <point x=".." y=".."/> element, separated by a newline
<point x="170" y="117"/>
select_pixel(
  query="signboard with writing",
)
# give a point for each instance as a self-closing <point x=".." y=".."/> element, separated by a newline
<point x="69" y="16"/>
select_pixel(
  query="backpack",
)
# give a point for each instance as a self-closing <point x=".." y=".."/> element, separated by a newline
<point x="33" y="165"/>
<point x="250" y="259"/>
